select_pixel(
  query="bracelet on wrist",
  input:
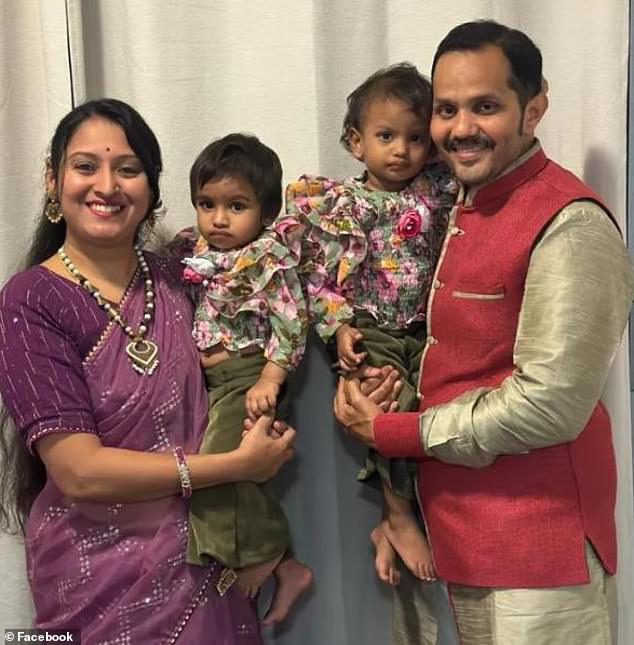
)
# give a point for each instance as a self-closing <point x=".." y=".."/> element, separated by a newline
<point x="183" y="472"/>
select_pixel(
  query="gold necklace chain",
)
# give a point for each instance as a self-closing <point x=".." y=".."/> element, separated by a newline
<point x="143" y="353"/>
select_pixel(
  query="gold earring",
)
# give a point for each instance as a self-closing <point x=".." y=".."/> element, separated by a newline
<point x="52" y="211"/>
<point x="150" y="220"/>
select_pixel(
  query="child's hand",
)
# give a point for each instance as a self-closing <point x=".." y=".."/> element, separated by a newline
<point x="346" y="337"/>
<point x="261" y="398"/>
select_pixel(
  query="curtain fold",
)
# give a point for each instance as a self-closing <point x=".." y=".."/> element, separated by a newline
<point x="34" y="94"/>
<point x="198" y="70"/>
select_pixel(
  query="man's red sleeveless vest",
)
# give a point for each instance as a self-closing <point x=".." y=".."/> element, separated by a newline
<point x="522" y="521"/>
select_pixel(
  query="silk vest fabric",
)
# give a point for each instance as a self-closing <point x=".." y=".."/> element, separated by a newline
<point x="522" y="521"/>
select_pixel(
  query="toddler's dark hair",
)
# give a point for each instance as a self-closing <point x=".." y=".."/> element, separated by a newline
<point x="244" y="156"/>
<point x="401" y="81"/>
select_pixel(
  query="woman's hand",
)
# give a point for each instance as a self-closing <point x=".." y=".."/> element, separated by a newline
<point x="277" y="429"/>
<point x="355" y="411"/>
<point x="265" y="448"/>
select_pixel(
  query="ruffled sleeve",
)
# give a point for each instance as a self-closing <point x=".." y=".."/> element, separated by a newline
<point x="334" y="246"/>
<point x="438" y="182"/>
<point x="253" y="295"/>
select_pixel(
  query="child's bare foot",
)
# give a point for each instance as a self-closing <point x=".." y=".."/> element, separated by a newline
<point x="385" y="560"/>
<point x="406" y="537"/>
<point x="292" y="579"/>
<point x="251" y="578"/>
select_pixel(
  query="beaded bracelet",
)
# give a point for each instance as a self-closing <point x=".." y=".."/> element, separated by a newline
<point x="183" y="472"/>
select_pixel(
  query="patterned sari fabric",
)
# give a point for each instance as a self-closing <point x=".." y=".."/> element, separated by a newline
<point x="115" y="571"/>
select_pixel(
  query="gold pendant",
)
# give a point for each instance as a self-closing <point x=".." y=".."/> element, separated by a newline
<point x="144" y="355"/>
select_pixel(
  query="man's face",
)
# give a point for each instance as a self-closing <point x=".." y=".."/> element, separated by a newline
<point x="477" y="122"/>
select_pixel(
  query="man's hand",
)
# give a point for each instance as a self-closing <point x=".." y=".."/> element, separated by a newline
<point x="382" y="385"/>
<point x="346" y="337"/>
<point x="355" y="411"/>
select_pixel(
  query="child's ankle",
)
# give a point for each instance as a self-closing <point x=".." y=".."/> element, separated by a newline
<point x="400" y="517"/>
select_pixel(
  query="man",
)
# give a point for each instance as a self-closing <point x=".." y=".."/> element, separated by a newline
<point x="517" y="478"/>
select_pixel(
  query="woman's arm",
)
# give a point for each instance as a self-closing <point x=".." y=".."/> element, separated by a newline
<point x="85" y="470"/>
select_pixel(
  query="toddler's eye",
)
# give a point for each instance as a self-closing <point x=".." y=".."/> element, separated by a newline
<point x="238" y="207"/>
<point x="385" y="136"/>
<point x="204" y="204"/>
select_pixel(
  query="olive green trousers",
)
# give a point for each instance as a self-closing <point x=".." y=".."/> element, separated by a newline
<point x="401" y="349"/>
<point x="238" y="524"/>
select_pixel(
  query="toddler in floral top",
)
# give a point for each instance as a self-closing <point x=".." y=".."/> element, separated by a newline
<point x="369" y="254"/>
<point x="250" y="327"/>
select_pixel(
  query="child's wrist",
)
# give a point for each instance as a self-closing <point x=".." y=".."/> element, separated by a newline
<point x="342" y="329"/>
<point x="275" y="380"/>
<point x="273" y="373"/>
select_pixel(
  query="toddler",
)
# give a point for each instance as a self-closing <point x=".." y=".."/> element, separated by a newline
<point x="250" y="327"/>
<point x="370" y="249"/>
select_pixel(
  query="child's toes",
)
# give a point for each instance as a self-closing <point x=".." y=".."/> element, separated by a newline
<point x="428" y="572"/>
<point x="383" y="571"/>
<point x="395" y="577"/>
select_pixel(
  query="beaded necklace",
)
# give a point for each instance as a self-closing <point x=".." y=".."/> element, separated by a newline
<point x="143" y="353"/>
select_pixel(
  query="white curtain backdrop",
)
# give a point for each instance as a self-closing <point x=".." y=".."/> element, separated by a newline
<point x="199" y="69"/>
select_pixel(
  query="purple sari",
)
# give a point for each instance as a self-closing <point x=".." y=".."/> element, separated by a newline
<point x="115" y="571"/>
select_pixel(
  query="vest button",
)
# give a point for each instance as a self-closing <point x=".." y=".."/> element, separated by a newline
<point x="455" y="230"/>
<point x="437" y="284"/>
<point x="431" y="340"/>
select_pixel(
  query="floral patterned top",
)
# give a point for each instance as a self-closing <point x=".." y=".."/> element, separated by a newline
<point x="373" y="251"/>
<point x="250" y="296"/>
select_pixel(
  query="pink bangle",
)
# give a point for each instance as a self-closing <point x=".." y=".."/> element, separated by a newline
<point x="183" y="472"/>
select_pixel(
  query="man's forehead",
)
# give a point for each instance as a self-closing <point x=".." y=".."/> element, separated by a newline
<point x="490" y="57"/>
<point x="482" y="71"/>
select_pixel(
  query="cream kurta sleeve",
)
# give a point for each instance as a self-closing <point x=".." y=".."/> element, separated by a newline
<point x="577" y="297"/>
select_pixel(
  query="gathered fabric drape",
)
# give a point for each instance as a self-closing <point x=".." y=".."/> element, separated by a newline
<point x="197" y="70"/>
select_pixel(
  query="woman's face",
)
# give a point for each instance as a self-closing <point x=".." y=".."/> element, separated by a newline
<point x="103" y="190"/>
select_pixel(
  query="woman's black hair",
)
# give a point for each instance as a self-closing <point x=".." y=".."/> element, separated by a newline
<point x="48" y="237"/>
<point x="22" y="474"/>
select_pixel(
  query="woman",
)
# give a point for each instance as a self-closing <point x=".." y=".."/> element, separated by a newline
<point x="101" y="378"/>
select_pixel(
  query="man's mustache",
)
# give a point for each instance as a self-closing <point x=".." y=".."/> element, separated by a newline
<point x="479" y="141"/>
